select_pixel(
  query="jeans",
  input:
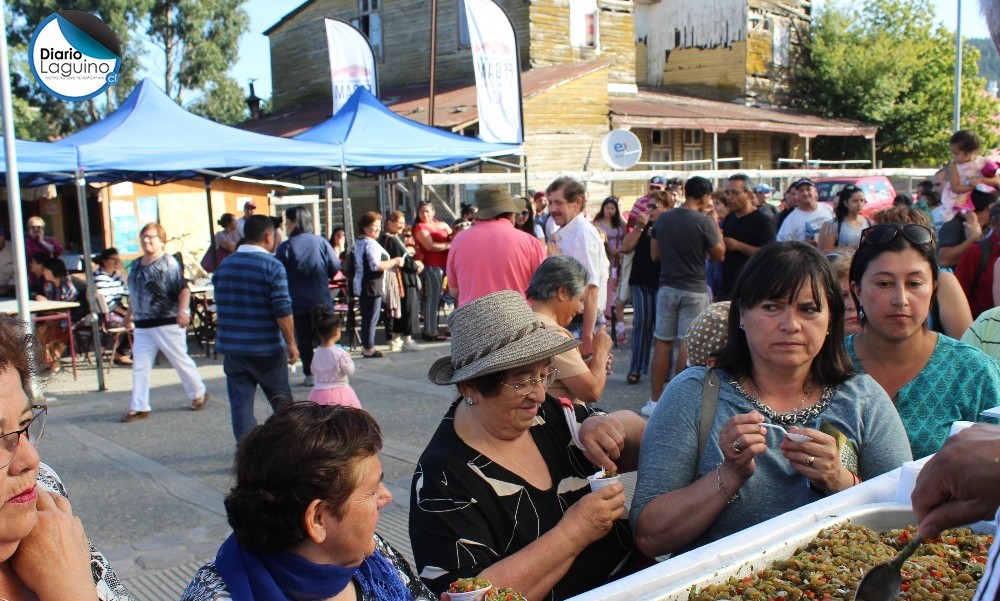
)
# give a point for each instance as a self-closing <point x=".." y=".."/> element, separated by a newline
<point x="304" y="340"/>
<point x="644" y="304"/>
<point x="433" y="277"/>
<point x="371" y="306"/>
<point x="244" y="373"/>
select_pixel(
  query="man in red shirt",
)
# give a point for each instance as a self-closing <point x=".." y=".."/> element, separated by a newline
<point x="492" y="255"/>
<point x="975" y="277"/>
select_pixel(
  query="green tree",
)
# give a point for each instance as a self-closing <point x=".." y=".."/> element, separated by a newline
<point x="989" y="59"/>
<point x="887" y="63"/>
<point x="200" y="42"/>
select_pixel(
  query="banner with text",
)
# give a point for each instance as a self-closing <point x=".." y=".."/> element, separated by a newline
<point x="498" y="76"/>
<point x="352" y="62"/>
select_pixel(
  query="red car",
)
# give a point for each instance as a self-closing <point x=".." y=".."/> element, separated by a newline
<point x="877" y="188"/>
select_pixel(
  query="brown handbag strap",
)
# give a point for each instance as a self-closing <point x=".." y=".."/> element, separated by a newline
<point x="709" y="400"/>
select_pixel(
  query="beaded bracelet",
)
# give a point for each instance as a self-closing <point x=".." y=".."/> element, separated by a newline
<point x="722" y="489"/>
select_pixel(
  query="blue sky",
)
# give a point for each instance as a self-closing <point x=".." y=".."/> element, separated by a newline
<point x="255" y="61"/>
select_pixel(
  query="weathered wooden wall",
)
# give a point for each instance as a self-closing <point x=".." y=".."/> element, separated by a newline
<point x="713" y="72"/>
<point x="549" y="25"/>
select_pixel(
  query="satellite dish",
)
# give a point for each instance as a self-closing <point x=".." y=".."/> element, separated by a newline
<point x="621" y="149"/>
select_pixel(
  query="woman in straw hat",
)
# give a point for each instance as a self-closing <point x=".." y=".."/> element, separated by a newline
<point x="501" y="490"/>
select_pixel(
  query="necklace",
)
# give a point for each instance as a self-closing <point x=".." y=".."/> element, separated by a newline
<point x="524" y="471"/>
<point x="796" y="416"/>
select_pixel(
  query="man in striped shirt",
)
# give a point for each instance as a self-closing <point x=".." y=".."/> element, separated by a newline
<point x="254" y="315"/>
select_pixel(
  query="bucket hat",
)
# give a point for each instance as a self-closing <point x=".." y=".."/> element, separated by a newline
<point x="707" y="334"/>
<point x="494" y="333"/>
<point x="493" y="200"/>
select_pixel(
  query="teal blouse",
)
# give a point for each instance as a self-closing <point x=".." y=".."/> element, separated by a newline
<point x="958" y="383"/>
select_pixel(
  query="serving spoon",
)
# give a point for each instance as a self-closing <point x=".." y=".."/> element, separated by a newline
<point x="884" y="581"/>
<point x="791" y="435"/>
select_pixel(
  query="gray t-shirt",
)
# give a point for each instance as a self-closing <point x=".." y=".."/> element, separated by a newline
<point x="683" y="237"/>
<point x="860" y="410"/>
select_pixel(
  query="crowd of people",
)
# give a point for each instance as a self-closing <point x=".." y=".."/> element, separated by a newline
<point x="792" y="353"/>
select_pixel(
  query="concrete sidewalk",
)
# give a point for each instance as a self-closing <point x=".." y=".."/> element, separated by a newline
<point x="150" y="493"/>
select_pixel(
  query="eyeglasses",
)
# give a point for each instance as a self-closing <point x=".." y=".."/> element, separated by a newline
<point x="524" y="387"/>
<point x="525" y="213"/>
<point x="885" y="233"/>
<point x="151" y="237"/>
<point x="33" y="430"/>
<point x="36" y="227"/>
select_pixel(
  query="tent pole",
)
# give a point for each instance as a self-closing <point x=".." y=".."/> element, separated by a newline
<point x="15" y="231"/>
<point x="88" y="266"/>
<point x="381" y="194"/>
<point x="211" y="220"/>
<point x="329" y="208"/>
<point x="524" y="169"/>
<point x="348" y="213"/>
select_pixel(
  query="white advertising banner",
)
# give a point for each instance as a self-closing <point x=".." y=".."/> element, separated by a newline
<point x="498" y="76"/>
<point x="352" y="62"/>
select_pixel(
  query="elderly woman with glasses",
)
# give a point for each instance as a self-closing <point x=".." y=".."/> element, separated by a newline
<point x="933" y="380"/>
<point x="556" y="295"/>
<point x="701" y="479"/>
<point x="501" y="490"/>
<point x="44" y="553"/>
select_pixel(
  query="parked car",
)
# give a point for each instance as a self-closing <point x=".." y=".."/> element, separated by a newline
<point x="877" y="188"/>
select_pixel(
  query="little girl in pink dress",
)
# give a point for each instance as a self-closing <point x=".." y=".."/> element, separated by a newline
<point x="331" y="365"/>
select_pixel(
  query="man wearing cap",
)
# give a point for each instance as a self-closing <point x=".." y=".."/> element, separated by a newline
<point x="578" y="238"/>
<point x="492" y="255"/>
<point x="964" y="230"/>
<point x="803" y="224"/>
<point x="249" y="208"/>
<point x="975" y="276"/>
<point x="641" y="206"/>
<point x="744" y="230"/>
<point x="762" y="196"/>
<point x="6" y="266"/>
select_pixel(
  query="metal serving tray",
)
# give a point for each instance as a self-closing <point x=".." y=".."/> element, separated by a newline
<point x="878" y="516"/>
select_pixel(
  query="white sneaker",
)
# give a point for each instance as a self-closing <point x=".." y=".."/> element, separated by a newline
<point x="395" y="345"/>
<point x="648" y="408"/>
<point x="410" y="345"/>
<point x="620" y="333"/>
<point x="308" y="381"/>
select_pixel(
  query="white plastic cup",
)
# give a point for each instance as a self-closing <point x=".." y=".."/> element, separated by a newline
<point x="475" y="595"/>
<point x="598" y="481"/>
<point x="907" y="481"/>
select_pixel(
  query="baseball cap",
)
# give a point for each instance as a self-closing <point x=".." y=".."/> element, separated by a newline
<point x="249" y="203"/>
<point x="763" y="189"/>
<point x="657" y="181"/>
<point x="805" y="181"/>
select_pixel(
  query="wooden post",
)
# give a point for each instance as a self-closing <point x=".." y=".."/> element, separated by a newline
<point x="715" y="150"/>
<point x="874" y="151"/>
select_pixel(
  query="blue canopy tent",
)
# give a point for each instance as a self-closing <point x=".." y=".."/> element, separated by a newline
<point x="40" y="162"/>
<point x="150" y="138"/>
<point x="376" y="140"/>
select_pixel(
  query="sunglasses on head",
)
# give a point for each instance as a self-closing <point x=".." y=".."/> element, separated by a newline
<point x="887" y="232"/>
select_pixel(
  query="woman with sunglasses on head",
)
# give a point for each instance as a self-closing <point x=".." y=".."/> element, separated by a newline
<point x="933" y="380"/>
<point x="501" y="490"/>
<point x="44" y="552"/>
<point x="950" y="313"/>
<point x="783" y="363"/>
<point x="610" y="223"/>
<point x="844" y="230"/>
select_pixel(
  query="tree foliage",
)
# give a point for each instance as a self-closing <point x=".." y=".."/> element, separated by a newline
<point x="199" y="40"/>
<point x="887" y="63"/>
<point x="989" y="58"/>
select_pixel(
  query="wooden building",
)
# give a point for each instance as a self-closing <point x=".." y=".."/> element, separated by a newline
<point x="694" y="80"/>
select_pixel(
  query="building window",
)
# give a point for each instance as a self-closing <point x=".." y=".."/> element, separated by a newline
<point x="659" y="147"/>
<point x="780" y="42"/>
<point x="729" y="147"/>
<point x="369" y="22"/>
<point x="693" y="150"/>
<point x="463" y="26"/>
<point x="584" y="23"/>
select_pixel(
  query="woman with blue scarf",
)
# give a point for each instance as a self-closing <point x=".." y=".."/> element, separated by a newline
<point x="303" y="512"/>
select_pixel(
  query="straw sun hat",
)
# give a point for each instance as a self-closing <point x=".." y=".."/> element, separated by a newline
<point x="494" y="333"/>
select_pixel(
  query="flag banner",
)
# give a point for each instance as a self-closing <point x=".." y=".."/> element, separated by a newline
<point x="352" y="62"/>
<point x="498" y="75"/>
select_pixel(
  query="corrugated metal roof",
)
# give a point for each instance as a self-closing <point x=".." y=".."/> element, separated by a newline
<point x="661" y="110"/>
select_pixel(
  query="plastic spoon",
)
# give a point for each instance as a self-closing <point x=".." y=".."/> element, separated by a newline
<point x="884" y="581"/>
<point x="791" y="435"/>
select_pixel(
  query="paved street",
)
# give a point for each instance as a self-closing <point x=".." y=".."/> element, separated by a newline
<point x="150" y="493"/>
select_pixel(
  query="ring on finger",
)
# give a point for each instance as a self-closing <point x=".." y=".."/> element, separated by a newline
<point x="809" y="460"/>
<point x="736" y="446"/>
